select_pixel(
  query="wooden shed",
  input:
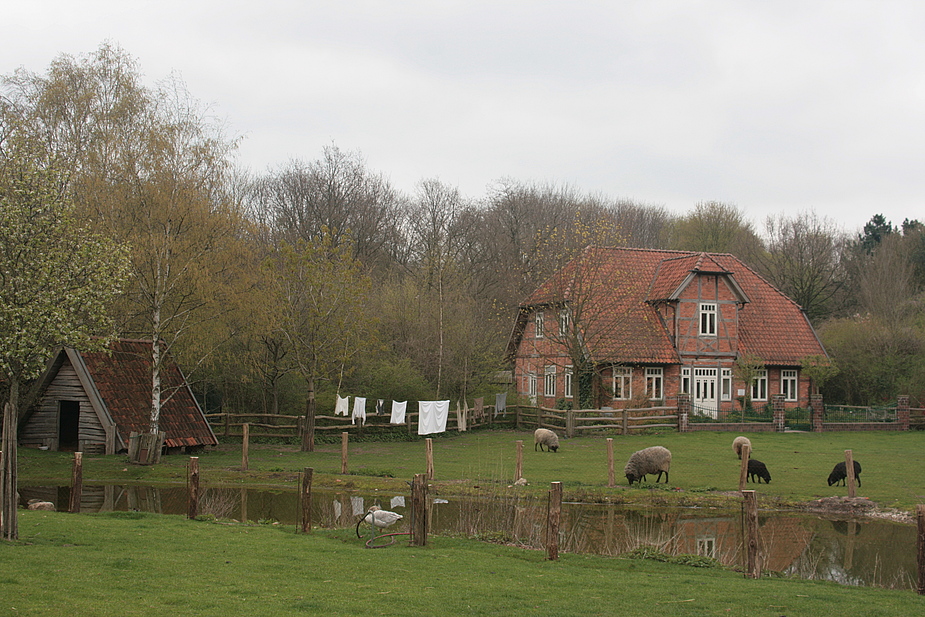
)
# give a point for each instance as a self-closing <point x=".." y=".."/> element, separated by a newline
<point x="92" y="402"/>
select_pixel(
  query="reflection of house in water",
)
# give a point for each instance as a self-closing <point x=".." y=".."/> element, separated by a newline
<point x="110" y="498"/>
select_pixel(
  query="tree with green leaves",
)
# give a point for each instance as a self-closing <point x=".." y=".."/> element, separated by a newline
<point x="57" y="284"/>
<point x="320" y="294"/>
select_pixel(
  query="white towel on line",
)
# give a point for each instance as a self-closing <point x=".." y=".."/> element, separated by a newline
<point x="398" y="412"/>
<point x="359" y="410"/>
<point x="432" y="416"/>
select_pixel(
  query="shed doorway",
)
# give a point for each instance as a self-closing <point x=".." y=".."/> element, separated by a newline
<point x="68" y="425"/>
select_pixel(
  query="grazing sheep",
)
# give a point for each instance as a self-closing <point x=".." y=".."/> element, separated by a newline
<point x="840" y="473"/>
<point x="737" y="444"/>
<point x="38" y="504"/>
<point x="758" y="471"/>
<point x="545" y="437"/>
<point x="651" y="460"/>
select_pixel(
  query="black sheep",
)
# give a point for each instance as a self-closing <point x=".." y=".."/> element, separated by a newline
<point x="840" y="473"/>
<point x="758" y="471"/>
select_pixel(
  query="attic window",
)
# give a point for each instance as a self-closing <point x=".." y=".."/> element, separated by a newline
<point x="538" y="321"/>
<point x="707" y="320"/>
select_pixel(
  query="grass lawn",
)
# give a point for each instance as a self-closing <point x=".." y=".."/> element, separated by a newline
<point x="131" y="563"/>
<point x="704" y="468"/>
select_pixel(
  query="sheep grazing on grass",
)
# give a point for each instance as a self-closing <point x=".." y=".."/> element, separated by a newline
<point x="737" y="444"/>
<point x="840" y="473"/>
<point x="545" y="437"/>
<point x="758" y="471"/>
<point x="651" y="460"/>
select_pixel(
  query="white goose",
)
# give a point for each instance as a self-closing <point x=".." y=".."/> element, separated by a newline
<point x="378" y="517"/>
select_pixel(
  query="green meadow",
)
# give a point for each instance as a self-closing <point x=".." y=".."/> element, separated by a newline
<point x="704" y="468"/>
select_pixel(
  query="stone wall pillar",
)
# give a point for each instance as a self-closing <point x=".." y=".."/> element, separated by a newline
<point x="684" y="413"/>
<point x="817" y="408"/>
<point x="777" y="404"/>
<point x="902" y="411"/>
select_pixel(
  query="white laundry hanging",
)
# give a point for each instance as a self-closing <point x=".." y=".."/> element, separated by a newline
<point x="398" y="412"/>
<point x="359" y="410"/>
<point x="432" y="416"/>
<point x="342" y="406"/>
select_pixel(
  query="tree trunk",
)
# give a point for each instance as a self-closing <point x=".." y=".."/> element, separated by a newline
<point x="155" y="386"/>
<point x="9" y="526"/>
<point x="308" y="434"/>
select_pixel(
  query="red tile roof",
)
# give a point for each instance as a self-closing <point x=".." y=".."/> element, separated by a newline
<point x="123" y="380"/>
<point x="609" y="291"/>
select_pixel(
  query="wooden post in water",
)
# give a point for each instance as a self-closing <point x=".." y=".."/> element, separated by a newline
<point x="849" y="469"/>
<point x="192" y="485"/>
<point x="611" y="477"/>
<point x="429" y="454"/>
<point x="344" y="440"/>
<point x="920" y="517"/>
<point x="245" y="446"/>
<point x="77" y="475"/>
<point x="753" y="558"/>
<point x="553" y="516"/>
<point x="743" y="470"/>
<point x="519" y="466"/>
<point x="243" y="505"/>
<point x="419" y="510"/>
<point x="305" y="500"/>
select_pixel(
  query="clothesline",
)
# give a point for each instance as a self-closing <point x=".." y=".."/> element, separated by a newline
<point x="432" y="415"/>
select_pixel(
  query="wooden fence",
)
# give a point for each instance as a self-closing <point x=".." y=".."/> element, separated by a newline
<point x="574" y="422"/>
<point x="287" y="427"/>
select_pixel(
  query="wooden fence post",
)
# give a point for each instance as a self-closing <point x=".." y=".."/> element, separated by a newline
<point x="306" y="499"/>
<point x="77" y="474"/>
<point x="227" y="423"/>
<point x="344" y="440"/>
<point x="245" y="446"/>
<point x="611" y="478"/>
<point x="849" y="469"/>
<point x="419" y="510"/>
<point x="519" y="466"/>
<point x="743" y="470"/>
<point x="570" y="423"/>
<point x="192" y="485"/>
<point x="553" y="516"/>
<point x="626" y="422"/>
<point x="753" y="558"/>
<point x="920" y="517"/>
<point x="429" y="454"/>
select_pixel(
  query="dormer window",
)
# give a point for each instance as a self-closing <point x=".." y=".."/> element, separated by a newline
<point x="538" y="321"/>
<point x="707" y="320"/>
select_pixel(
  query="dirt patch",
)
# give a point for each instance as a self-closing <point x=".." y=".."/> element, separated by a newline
<point x="856" y="506"/>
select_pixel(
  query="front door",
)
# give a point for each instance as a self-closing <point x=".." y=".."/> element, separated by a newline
<point x="705" y="391"/>
<point x="68" y="425"/>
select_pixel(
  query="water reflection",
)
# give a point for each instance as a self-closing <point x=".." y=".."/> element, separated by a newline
<point x="850" y="552"/>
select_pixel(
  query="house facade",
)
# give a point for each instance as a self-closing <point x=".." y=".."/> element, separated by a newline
<point x="645" y="325"/>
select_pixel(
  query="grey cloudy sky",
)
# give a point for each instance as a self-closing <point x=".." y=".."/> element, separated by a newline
<point x="776" y="106"/>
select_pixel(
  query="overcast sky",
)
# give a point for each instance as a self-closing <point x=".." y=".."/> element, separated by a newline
<point x="776" y="106"/>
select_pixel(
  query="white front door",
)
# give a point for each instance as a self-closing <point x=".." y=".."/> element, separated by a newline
<point x="705" y="391"/>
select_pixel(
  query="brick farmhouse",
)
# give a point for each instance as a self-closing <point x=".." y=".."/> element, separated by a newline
<point x="645" y="325"/>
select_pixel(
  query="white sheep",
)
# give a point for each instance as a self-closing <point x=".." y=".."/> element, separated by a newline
<point x="651" y="460"/>
<point x="738" y="443"/>
<point x="543" y="436"/>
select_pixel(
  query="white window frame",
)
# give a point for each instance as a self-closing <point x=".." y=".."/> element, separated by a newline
<point x="568" y="382"/>
<point x="549" y="381"/>
<point x="623" y="374"/>
<point x="708" y="316"/>
<point x="789" y="384"/>
<point x="686" y="380"/>
<point x="564" y="322"/>
<point x="726" y="385"/>
<point x="706" y="546"/>
<point x="538" y="324"/>
<point x="655" y="383"/>
<point x="531" y="387"/>
<point x="760" y="386"/>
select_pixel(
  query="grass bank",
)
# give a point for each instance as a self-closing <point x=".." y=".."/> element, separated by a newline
<point x="704" y="469"/>
<point x="131" y="563"/>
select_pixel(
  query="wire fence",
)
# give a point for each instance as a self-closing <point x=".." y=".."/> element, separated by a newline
<point x="846" y="413"/>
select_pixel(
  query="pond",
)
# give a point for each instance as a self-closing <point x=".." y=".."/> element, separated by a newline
<point x="845" y="550"/>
